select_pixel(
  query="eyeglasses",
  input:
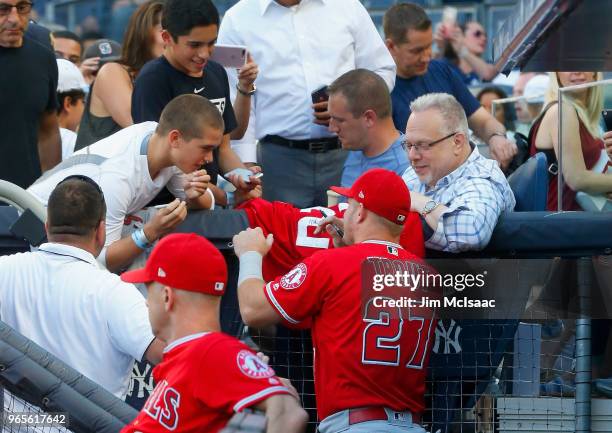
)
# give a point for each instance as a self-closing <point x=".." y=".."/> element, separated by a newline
<point x="423" y="147"/>
<point x="23" y="8"/>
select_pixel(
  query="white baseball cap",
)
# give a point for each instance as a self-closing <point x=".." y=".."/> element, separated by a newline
<point x="69" y="77"/>
<point x="535" y="89"/>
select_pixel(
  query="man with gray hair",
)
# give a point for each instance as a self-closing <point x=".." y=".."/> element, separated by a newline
<point x="459" y="193"/>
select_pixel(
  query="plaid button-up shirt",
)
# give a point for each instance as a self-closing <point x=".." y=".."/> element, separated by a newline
<point x="476" y="193"/>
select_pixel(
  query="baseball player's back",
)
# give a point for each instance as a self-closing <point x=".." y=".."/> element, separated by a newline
<point x="202" y="381"/>
<point x="367" y="354"/>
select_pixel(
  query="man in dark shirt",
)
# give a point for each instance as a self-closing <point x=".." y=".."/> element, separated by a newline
<point x="30" y="140"/>
<point x="190" y="32"/>
<point x="408" y="35"/>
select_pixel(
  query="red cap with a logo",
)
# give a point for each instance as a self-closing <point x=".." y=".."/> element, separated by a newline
<point x="381" y="191"/>
<point x="184" y="261"/>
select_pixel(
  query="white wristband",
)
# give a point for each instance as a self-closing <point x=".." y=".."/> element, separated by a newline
<point x="250" y="266"/>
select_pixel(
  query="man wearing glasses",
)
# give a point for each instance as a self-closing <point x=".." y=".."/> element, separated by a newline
<point x="30" y="141"/>
<point x="459" y="193"/>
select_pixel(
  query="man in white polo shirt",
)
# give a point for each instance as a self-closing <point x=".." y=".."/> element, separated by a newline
<point x="59" y="298"/>
<point x="133" y="165"/>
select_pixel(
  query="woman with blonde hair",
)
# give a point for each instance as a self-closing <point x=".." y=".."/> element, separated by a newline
<point x="584" y="155"/>
<point x="108" y="107"/>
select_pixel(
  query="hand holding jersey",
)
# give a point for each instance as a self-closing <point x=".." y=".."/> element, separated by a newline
<point x="358" y="376"/>
<point x="252" y="240"/>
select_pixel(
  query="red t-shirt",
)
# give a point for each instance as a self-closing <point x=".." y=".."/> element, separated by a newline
<point x="294" y="237"/>
<point x="363" y="356"/>
<point x="202" y="381"/>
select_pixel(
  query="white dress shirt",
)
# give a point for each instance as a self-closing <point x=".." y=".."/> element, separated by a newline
<point x="59" y="298"/>
<point x="298" y="49"/>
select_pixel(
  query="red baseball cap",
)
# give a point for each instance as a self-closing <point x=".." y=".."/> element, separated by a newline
<point x="184" y="261"/>
<point x="381" y="191"/>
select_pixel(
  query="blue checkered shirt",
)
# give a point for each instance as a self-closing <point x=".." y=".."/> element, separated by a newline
<point x="476" y="193"/>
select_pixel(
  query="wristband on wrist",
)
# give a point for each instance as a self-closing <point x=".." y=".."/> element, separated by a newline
<point x="140" y="239"/>
<point x="244" y="92"/>
<point x="250" y="266"/>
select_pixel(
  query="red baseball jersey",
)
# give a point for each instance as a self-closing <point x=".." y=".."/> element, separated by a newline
<point x="201" y="382"/>
<point x="294" y="237"/>
<point x="365" y="354"/>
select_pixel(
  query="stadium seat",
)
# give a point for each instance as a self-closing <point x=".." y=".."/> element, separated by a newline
<point x="530" y="184"/>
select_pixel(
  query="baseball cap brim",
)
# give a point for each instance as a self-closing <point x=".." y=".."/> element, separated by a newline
<point x="136" y="276"/>
<point x="346" y="192"/>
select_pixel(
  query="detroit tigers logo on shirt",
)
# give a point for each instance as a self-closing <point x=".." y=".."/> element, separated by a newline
<point x="219" y="103"/>
<point x="294" y="278"/>
<point x="251" y="366"/>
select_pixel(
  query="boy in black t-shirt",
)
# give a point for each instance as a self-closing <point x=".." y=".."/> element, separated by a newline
<point x="190" y="30"/>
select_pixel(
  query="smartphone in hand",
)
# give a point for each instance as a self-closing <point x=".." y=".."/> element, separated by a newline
<point x="230" y="56"/>
<point x="320" y="95"/>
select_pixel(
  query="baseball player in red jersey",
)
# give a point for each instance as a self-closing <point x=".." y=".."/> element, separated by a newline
<point x="296" y="236"/>
<point x="205" y="376"/>
<point x="371" y="359"/>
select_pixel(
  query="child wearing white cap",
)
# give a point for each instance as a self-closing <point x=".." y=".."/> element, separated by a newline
<point x="71" y="90"/>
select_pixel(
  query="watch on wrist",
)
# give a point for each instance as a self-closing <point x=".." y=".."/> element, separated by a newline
<point x="244" y="92"/>
<point x="429" y="207"/>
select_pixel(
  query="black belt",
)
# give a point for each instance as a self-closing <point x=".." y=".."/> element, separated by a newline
<point x="317" y="145"/>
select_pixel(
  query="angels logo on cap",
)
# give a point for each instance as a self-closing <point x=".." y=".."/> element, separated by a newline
<point x="251" y="366"/>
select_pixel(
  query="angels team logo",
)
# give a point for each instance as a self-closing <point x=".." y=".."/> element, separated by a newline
<point x="252" y="366"/>
<point x="294" y="278"/>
